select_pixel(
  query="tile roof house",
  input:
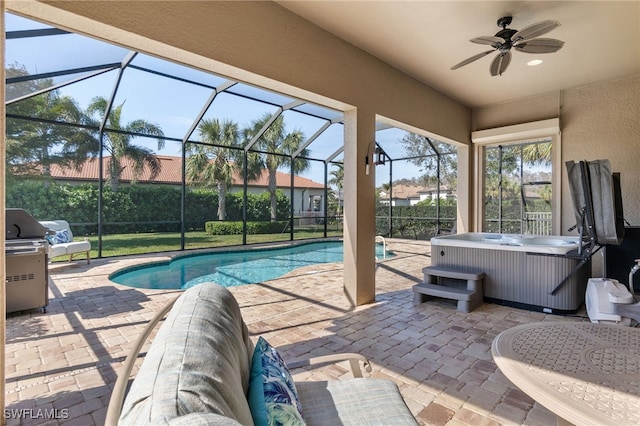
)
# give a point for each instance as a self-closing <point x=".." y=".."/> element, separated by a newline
<point x="409" y="195"/>
<point x="308" y="194"/>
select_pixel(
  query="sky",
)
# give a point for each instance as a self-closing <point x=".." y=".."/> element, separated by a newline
<point x="174" y="104"/>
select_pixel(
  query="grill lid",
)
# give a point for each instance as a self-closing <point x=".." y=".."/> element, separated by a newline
<point x="20" y="225"/>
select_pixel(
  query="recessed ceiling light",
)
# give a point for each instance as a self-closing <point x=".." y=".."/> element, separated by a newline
<point x="534" y="62"/>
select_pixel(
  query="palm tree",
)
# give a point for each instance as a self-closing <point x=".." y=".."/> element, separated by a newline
<point x="537" y="153"/>
<point x="213" y="161"/>
<point x="279" y="146"/>
<point x="337" y="180"/>
<point x="118" y="143"/>
<point x="32" y="147"/>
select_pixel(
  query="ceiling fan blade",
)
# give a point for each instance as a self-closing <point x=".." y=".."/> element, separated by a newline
<point x="471" y="59"/>
<point x="490" y="40"/>
<point x="534" y="30"/>
<point x="500" y="63"/>
<point x="540" y="45"/>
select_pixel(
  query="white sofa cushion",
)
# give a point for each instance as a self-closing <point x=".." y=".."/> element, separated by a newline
<point x="57" y="250"/>
<point x="203" y="419"/>
<point x="198" y="362"/>
<point x="70" y="248"/>
<point x="353" y="402"/>
<point x="58" y="225"/>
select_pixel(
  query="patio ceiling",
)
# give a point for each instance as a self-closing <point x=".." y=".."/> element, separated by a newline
<point x="425" y="39"/>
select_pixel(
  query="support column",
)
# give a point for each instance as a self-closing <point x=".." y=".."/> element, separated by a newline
<point x="3" y="146"/>
<point x="359" y="207"/>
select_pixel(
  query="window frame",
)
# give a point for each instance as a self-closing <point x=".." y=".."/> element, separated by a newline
<point x="513" y="135"/>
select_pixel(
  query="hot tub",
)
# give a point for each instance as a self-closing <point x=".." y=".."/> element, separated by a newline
<point x="520" y="270"/>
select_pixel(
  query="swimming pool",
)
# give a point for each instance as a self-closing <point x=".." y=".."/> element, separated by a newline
<point x="231" y="268"/>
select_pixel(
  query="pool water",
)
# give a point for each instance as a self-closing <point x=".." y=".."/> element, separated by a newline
<point x="231" y="268"/>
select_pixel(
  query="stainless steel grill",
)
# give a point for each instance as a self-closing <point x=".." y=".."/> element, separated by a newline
<point x="27" y="281"/>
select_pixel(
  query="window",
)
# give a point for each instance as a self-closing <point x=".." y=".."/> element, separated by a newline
<point x="519" y="184"/>
<point x="517" y="188"/>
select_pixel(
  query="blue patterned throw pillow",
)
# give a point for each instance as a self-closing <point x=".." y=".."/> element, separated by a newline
<point x="51" y="239"/>
<point x="62" y="237"/>
<point x="273" y="398"/>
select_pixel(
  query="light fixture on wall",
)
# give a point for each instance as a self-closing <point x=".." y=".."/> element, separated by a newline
<point x="378" y="157"/>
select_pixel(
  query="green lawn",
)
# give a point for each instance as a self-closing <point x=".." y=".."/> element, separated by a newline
<point x="141" y="243"/>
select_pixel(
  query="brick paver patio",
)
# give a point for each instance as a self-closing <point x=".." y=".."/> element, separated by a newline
<point x="63" y="363"/>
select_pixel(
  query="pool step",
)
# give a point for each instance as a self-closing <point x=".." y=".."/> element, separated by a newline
<point x="469" y="297"/>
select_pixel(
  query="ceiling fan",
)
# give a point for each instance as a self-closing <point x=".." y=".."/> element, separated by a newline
<point x="523" y="41"/>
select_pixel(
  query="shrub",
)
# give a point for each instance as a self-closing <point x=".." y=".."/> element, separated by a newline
<point x="253" y="228"/>
<point x="416" y="222"/>
<point x="223" y="228"/>
<point x="137" y="208"/>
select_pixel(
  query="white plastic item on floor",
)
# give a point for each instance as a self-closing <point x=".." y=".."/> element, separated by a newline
<point x="603" y="294"/>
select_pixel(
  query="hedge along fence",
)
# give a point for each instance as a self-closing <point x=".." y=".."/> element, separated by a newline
<point x="416" y="222"/>
<point x="135" y="208"/>
<point x="235" y="228"/>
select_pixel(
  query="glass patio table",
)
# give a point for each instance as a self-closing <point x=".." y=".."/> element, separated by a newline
<point x="586" y="374"/>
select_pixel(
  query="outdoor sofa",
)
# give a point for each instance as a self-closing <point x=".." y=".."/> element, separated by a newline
<point x="61" y="242"/>
<point x="202" y="368"/>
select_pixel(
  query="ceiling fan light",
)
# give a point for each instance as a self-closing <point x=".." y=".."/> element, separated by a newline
<point x="525" y="40"/>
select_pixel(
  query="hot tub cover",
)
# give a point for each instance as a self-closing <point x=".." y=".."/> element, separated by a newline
<point x="596" y="195"/>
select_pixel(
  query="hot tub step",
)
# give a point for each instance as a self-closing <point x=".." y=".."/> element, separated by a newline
<point x="468" y="298"/>
<point x="439" y="271"/>
<point x="443" y="291"/>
